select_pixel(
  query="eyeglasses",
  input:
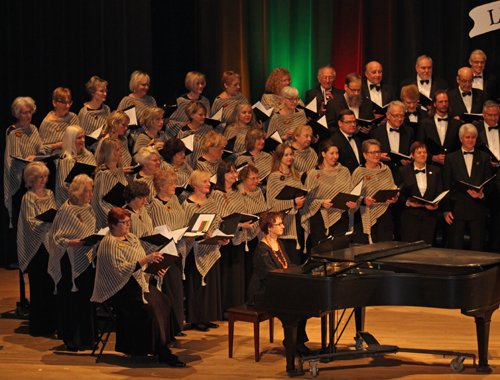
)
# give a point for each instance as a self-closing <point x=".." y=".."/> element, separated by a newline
<point x="65" y="103"/>
<point x="327" y="78"/>
<point x="26" y="113"/>
<point x="348" y="122"/>
<point x="397" y="116"/>
<point x="253" y="178"/>
<point x="465" y="81"/>
<point x="374" y="152"/>
<point x="354" y="91"/>
<point x="125" y="222"/>
<point x="293" y="100"/>
<point x="278" y="224"/>
<point x="478" y="62"/>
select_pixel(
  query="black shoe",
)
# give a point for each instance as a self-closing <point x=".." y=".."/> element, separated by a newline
<point x="302" y="349"/>
<point x="200" y="327"/>
<point x="71" y="348"/>
<point x="212" y="325"/>
<point x="180" y="333"/>
<point x="172" y="361"/>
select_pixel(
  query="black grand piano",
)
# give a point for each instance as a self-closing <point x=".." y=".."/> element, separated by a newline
<point x="387" y="273"/>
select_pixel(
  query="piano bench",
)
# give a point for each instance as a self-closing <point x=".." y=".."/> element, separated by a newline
<point x="247" y="313"/>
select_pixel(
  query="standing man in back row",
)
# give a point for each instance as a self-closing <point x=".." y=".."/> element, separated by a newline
<point x="464" y="98"/>
<point x="379" y="93"/>
<point x="325" y="91"/>
<point x="427" y="83"/>
<point x="485" y="81"/>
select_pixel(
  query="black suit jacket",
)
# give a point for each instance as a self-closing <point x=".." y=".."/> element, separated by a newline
<point x="422" y="115"/>
<point x="346" y="155"/>
<point x="387" y="93"/>
<point x="437" y="84"/>
<point x="335" y="106"/>
<point x="491" y="86"/>
<point x="461" y="204"/>
<point x="318" y="94"/>
<point x="428" y="131"/>
<point x="407" y="182"/>
<point x="482" y="144"/>
<point x="406" y="138"/>
<point x="457" y="106"/>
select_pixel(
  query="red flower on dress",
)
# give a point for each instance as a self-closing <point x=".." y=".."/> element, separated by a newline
<point x="287" y="121"/>
<point x="19" y="134"/>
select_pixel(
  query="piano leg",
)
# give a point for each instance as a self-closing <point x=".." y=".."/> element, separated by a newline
<point x="359" y="318"/>
<point x="483" y="320"/>
<point x="290" y="324"/>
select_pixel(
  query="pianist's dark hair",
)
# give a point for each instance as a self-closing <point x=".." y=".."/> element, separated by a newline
<point x="324" y="147"/>
<point x="417" y="145"/>
<point x="267" y="219"/>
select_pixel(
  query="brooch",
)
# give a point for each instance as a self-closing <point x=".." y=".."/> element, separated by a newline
<point x="224" y="195"/>
<point x="198" y="205"/>
<point x="279" y="103"/>
<point x="58" y="129"/>
<point x="318" y="177"/>
<point x="227" y="202"/>
<point x="79" y="216"/>
<point x="282" y="178"/>
<point x="169" y="208"/>
<point x="287" y="121"/>
<point x="121" y="245"/>
<point x="19" y="134"/>
<point x="175" y="169"/>
<point x="196" y="139"/>
<point x="245" y="194"/>
<point x="96" y="117"/>
<point x="368" y="177"/>
<point x="225" y="105"/>
<point x="133" y="104"/>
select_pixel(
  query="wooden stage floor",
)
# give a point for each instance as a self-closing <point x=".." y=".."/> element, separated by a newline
<point x="206" y="354"/>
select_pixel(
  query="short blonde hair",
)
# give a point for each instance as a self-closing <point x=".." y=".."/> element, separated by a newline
<point x="105" y="152"/>
<point x="33" y="169"/>
<point x="149" y="115"/>
<point x="115" y="118"/>
<point x="136" y="77"/>
<point x="144" y="155"/>
<point x="228" y="77"/>
<point x="60" y="94"/>
<point x="161" y="176"/>
<point x="197" y="177"/>
<point x="93" y="83"/>
<point x="77" y="186"/>
<point x="19" y="102"/>
<point x="301" y="128"/>
<point x="409" y="92"/>
<point x="212" y="139"/>
<point x="192" y="78"/>
<point x="193" y="107"/>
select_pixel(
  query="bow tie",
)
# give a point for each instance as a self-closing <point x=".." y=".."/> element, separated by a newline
<point x="424" y="81"/>
<point x="468" y="153"/>
<point x="419" y="171"/>
<point x="495" y="127"/>
<point x="443" y="119"/>
<point x="350" y="138"/>
<point x="477" y="76"/>
<point x="375" y="86"/>
<point x="394" y="130"/>
<point x="468" y="93"/>
<point x="413" y="113"/>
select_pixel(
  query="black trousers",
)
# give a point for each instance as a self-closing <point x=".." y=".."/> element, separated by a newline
<point x="476" y="232"/>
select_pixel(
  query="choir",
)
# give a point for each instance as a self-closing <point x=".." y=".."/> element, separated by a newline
<point x="408" y="169"/>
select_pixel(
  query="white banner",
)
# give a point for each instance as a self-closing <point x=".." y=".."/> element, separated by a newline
<point x="486" y="18"/>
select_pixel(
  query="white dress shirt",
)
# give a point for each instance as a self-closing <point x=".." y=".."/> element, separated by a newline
<point x="424" y="88"/>
<point x="468" y="158"/>
<point x="375" y="96"/>
<point x="493" y="140"/>
<point x="421" y="179"/>
<point x="441" y="127"/>
<point x="467" y="100"/>
<point x="478" y="82"/>
<point x="393" y="137"/>
<point x="413" y="118"/>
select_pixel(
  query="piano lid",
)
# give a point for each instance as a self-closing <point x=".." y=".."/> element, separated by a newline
<point x="417" y="253"/>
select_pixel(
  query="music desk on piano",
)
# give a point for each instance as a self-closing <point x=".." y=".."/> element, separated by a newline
<point x="390" y="274"/>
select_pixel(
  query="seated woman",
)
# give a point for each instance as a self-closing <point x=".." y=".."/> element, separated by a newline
<point x="152" y="120"/>
<point x="242" y="120"/>
<point x="212" y="147"/>
<point x="304" y="157"/>
<point x="319" y="218"/>
<point x="94" y="113"/>
<point x="174" y="158"/>
<point x="109" y="172"/>
<point x="270" y="255"/>
<point x="55" y="123"/>
<point x="116" y="128"/>
<point x="254" y="154"/>
<point x="278" y="79"/>
<point x="71" y="266"/>
<point x="196" y="113"/>
<point x="283" y="173"/>
<point x="73" y="151"/>
<point x="143" y="312"/>
<point x="195" y="83"/>
<point x="289" y="117"/>
<point x="138" y="97"/>
<point x="230" y="97"/>
<point x="32" y="251"/>
<point x="149" y="159"/>
<point x="376" y="217"/>
<point x="418" y="219"/>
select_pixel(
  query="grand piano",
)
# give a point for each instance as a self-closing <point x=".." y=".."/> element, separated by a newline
<point x="387" y="273"/>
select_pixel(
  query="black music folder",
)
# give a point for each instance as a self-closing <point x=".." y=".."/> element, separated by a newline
<point x="47" y="216"/>
<point x="80" y="168"/>
<point x="115" y="195"/>
<point x="290" y="192"/>
<point x="382" y="196"/>
<point x="464" y="186"/>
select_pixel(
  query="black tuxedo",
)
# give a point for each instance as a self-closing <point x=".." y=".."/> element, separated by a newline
<point x="418" y="223"/>
<point x="335" y="106"/>
<point x="482" y="142"/>
<point x="421" y="115"/>
<point x="491" y="86"/>
<point x="457" y="106"/>
<point x="429" y="135"/>
<point x="346" y="155"/>
<point x="437" y="84"/>
<point x="406" y="138"/>
<point x="465" y="209"/>
<point x="386" y="90"/>
<point x="318" y="94"/>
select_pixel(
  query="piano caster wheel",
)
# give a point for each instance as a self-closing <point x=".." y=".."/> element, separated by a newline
<point x="360" y="345"/>
<point x="457" y="364"/>
<point x="314" y="369"/>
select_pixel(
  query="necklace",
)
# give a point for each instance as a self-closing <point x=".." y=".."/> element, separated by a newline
<point x="283" y="262"/>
